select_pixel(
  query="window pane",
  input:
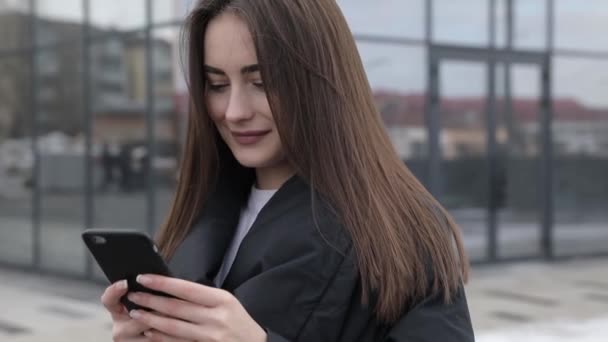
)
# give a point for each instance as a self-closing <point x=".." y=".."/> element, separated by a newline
<point x="170" y="114"/>
<point x="516" y="189"/>
<point x="14" y="26"/>
<point x="165" y="11"/>
<point x="61" y="148"/>
<point x="59" y="23"/>
<point x="398" y="79"/>
<point x="67" y="10"/>
<point x="500" y="15"/>
<point x="118" y="83"/>
<point x="463" y="179"/>
<point x="400" y="18"/>
<point x="461" y="22"/>
<point x="529" y="24"/>
<point x="118" y="14"/>
<point x="580" y="144"/>
<point x="530" y="17"/>
<point x="16" y="161"/>
<point x="581" y="24"/>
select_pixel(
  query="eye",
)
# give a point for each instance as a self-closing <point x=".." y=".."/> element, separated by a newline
<point x="259" y="85"/>
<point x="217" y="88"/>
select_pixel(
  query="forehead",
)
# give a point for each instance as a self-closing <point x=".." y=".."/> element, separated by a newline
<point x="228" y="43"/>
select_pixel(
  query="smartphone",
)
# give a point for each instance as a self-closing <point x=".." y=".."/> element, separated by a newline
<point x="125" y="254"/>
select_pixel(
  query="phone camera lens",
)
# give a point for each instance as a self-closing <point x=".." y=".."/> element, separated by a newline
<point x="99" y="240"/>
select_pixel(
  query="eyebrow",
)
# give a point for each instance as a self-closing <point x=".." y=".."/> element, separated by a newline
<point x="244" y="70"/>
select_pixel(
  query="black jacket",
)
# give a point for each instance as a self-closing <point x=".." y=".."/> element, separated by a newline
<point x="295" y="274"/>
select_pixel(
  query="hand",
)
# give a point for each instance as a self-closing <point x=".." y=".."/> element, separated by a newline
<point x="198" y="313"/>
<point x="124" y="329"/>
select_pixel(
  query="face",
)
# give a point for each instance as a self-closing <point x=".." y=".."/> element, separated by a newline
<point x="235" y="96"/>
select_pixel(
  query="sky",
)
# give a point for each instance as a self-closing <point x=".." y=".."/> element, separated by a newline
<point x="579" y="26"/>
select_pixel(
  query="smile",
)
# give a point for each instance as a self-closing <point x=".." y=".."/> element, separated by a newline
<point x="249" y="137"/>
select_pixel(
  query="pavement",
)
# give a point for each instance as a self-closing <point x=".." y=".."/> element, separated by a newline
<point x="527" y="301"/>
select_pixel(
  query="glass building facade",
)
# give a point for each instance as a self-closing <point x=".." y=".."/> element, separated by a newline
<point x="500" y="108"/>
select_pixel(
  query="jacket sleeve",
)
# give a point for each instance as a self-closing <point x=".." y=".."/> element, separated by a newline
<point x="430" y="321"/>
<point x="433" y="320"/>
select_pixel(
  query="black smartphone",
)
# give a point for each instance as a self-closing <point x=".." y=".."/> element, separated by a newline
<point x="125" y="254"/>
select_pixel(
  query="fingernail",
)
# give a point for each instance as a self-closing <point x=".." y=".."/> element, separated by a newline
<point x="135" y="314"/>
<point x="133" y="296"/>
<point x="122" y="284"/>
<point x="142" y="279"/>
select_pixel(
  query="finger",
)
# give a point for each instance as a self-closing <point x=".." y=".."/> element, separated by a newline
<point x="111" y="299"/>
<point x="133" y="339"/>
<point x="138" y="339"/>
<point x="171" y="307"/>
<point x="167" y="325"/>
<point x="155" y="336"/>
<point x="186" y="290"/>
<point x="129" y="329"/>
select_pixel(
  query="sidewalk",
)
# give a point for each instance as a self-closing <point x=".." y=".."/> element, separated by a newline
<point x="540" y="302"/>
<point x="532" y="302"/>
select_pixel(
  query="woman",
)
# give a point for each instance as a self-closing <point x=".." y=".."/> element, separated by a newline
<point x="287" y="163"/>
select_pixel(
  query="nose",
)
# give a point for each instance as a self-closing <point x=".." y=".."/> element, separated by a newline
<point x="239" y="106"/>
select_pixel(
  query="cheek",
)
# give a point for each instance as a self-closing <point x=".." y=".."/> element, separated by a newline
<point x="263" y="108"/>
<point x="262" y="103"/>
<point x="216" y="114"/>
<point x="276" y="144"/>
<point x="215" y="108"/>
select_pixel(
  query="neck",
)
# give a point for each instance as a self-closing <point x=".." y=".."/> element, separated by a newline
<point x="271" y="178"/>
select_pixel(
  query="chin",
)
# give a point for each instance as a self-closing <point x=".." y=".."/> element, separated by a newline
<point x="253" y="162"/>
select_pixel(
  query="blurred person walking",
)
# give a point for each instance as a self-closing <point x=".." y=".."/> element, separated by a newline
<point x="110" y="160"/>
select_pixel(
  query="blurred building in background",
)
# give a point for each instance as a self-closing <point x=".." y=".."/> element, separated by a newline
<point x="498" y="106"/>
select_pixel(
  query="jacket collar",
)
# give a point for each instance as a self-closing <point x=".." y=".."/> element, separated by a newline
<point x="199" y="257"/>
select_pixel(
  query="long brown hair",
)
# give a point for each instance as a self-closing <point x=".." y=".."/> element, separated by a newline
<point x="334" y="137"/>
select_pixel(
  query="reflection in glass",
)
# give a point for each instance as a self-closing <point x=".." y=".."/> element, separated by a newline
<point x="164" y="11"/>
<point x="461" y="22"/>
<point x="581" y="25"/>
<point x="69" y="12"/>
<point x="580" y="146"/>
<point x="463" y="171"/>
<point x="397" y="78"/>
<point x="15" y="26"/>
<point x="500" y="22"/>
<point x="530" y="24"/>
<point x="517" y="186"/>
<point x="118" y="95"/>
<point x="61" y="150"/>
<point x="394" y="18"/>
<point x="16" y="162"/>
<point x="170" y="113"/>
<point x="118" y="83"/>
<point x="118" y="15"/>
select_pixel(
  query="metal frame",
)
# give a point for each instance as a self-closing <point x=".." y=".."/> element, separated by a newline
<point x="475" y="54"/>
<point x="88" y="191"/>
<point x="490" y="58"/>
<point x="150" y="122"/>
<point x="89" y="218"/>
<point x="36" y="196"/>
<point x="491" y="162"/>
<point x="436" y="53"/>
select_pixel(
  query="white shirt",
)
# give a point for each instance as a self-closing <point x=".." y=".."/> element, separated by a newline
<point x="257" y="200"/>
